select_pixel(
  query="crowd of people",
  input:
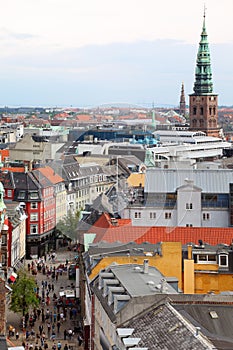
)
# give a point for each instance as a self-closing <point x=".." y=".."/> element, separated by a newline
<point x="49" y="325"/>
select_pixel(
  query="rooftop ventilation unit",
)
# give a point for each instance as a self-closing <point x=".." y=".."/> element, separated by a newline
<point x="137" y="268"/>
<point x="125" y="332"/>
<point x="129" y="342"/>
<point x="150" y="283"/>
<point x="213" y="314"/>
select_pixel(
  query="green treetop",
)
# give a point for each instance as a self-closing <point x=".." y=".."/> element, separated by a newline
<point x="23" y="296"/>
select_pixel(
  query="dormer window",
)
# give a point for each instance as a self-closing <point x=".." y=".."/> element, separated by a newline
<point x="33" y="195"/>
<point x="205" y="258"/>
<point x="21" y="195"/>
<point x="223" y="260"/>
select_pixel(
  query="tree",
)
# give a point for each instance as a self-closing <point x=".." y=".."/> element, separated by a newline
<point x="23" y="296"/>
<point x="68" y="226"/>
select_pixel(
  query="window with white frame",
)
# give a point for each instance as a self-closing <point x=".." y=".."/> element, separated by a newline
<point x="206" y="259"/>
<point x="9" y="193"/>
<point x="34" y="229"/>
<point x="34" y="205"/>
<point x="223" y="260"/>
<point x="168" y="215"/>
<point x="206" y="216"/>
<point x="137" y="215"/>
<point x="189" y="206"/>
<point x="33" y="195"/>
<point x="34" y="217"/>
<point x="21" y="195"/>
<point x="152" y="215"/>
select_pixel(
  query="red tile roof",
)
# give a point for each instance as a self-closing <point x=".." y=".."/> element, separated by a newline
<point x="50" y="174"/>
<point x="184" y="235"/>
<point x="104" y="223"/>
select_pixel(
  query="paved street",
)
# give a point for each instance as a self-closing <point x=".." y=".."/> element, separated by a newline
<point x="67" y="316"/>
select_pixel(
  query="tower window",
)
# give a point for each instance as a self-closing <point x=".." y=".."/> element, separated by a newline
<point x="202" y="111"/>
<point x="210" y="110"/>
<point x="194" y="110"/>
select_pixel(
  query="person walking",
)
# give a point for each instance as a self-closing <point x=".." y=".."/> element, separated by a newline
<point x="58" y="326"/>
<point x="80" y="339"/>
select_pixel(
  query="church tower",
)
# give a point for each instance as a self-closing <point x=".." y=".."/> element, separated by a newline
<point x="203" y="103"/>
<point x="182" y="110"/>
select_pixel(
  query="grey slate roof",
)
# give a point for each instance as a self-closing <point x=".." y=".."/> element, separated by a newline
<point x="167" y="180"/>
<point x="118" y="249"/>
<point x="134" y="285"/>
<point x="218" y="329"/>
<point x="6" y="177"/>
<point x="161" y="328"/>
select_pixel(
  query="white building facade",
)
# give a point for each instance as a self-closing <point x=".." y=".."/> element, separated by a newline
<point x="181" y="197"/>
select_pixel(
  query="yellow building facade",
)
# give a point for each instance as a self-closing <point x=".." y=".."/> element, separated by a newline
<point x="168" y="262"/>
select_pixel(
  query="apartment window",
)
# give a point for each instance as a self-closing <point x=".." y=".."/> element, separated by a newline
<point x="9" y="193"/>
<point x="21" y="195"/>
<point x="201" y="123"/>
<point x="223" y="260"/>
<point x="206" y="216"/>
<point x="194" y="110"/>
<point x="34" y="217"/>
<point x="33" y="195"/>
<point x="137" y="215"/>
<point x="202" y="111"/>
<point x="152" y="215"/>
<point x="189" y="225"/>
<point x="189" y="205"/>
<point x="168" y="215"/>
<point x="34" y="205"/>
<point x="34" y="229"/>
<point x="207" y="259"/>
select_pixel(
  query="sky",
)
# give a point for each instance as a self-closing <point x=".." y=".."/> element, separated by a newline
<point x="93" y="52"/>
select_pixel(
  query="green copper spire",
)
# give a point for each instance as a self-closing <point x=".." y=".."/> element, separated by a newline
<point x="203" y="84"/>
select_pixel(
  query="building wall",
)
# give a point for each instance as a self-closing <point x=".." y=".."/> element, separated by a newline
<point x="2" y="307"/>
<point x="168" y="216"/>
<point x="170" y="252"/>
<point x="61" y="203"/>
<point x="212" y="281"/>
<point x="189" y="206"/>
<point x="104" y="328"/>
<point x="27" y="150"/>
<point x="22" y="239"/>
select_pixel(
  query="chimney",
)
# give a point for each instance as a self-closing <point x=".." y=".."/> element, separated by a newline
<point x="146" y="266"/>
<point x="189" y="252"/>
<point x="197" y="331"/>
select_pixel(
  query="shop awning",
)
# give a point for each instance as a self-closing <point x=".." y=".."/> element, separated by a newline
<point x="13" y="277"/>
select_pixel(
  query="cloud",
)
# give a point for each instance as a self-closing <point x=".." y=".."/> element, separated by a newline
<point x="139" y="72"/>
<point x="6" y="35"/>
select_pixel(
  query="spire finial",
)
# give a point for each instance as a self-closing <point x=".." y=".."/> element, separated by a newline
<point x="204" y="10"/>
